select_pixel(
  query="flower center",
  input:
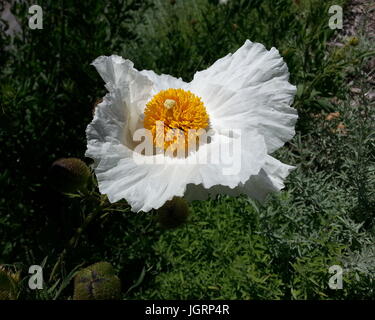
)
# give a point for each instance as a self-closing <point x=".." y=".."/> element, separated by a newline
<point x="175" y="118"/>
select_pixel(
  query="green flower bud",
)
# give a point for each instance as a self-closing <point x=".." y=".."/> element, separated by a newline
<point x="173" y="213"/>
<point x="353" y="41"/>
<point x="97" y="282"/>
<point x="69" y="175"/>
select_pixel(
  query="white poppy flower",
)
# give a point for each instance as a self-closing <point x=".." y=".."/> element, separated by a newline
<point x="247" y="92"/>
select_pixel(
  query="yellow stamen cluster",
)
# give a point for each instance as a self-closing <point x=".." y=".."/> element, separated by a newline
<point x="181" y="115"/>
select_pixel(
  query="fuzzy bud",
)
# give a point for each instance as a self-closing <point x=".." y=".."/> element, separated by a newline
<point x="69" y="175"/>
<point x="97" y="282"/>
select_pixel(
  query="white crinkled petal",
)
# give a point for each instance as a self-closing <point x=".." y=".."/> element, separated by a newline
<point x="163" y="81"/>
<point x="253" y="83"/>
<point x="129" y="90"/>
<point x="269" y="179"/>
<point x="250" y="65"/>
